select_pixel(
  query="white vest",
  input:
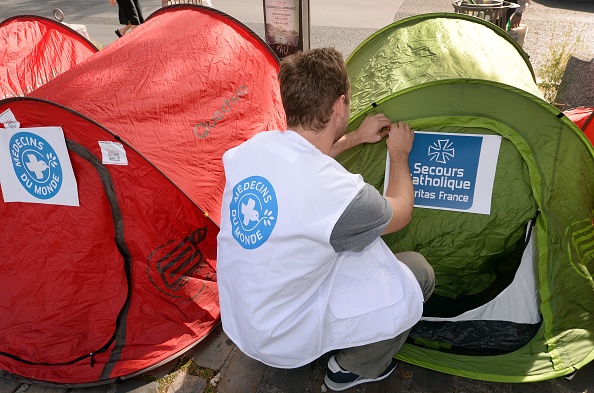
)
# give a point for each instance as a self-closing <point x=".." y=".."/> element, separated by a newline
<point x="286" y="297"/>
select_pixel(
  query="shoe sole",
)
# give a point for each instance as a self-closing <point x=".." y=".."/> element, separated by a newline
<point x="340" y="387"/>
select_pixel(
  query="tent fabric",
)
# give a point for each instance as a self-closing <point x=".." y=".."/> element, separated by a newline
<point x="202" y="90"/>
<point x="397" y="59"/>
<point x="435" y="47"/>
<point x="583" y="117"/>
<point x="127" y="280"/>
<point x="87" y="280"/>
<point x="544" y="163"/>
<point x="34" y="50"/>
<point x="518" y="302"/>
<point x="511" y="319"/>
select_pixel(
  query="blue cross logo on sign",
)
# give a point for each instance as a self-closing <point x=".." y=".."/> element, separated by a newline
<point x="444" y="169"/>
<point x="441" y="151"/>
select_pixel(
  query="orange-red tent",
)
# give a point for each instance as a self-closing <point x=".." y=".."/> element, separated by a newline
<point x="583" y="117"/>
<point x="34" y="50"/>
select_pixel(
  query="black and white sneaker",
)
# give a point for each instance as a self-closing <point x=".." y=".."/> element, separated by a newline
<point x="339" y="379"/>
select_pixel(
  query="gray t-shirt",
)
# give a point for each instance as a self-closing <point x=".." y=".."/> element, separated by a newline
<point x="363" y="221"/>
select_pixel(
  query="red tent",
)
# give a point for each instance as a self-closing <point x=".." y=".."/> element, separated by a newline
<point x="200" y="89"/>
<point x="34" y="50"/>
<point x="584" y="118"/>
<point x="127" y="280"/>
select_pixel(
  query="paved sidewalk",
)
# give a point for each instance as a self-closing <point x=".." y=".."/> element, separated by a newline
<point x="233" y="372"/>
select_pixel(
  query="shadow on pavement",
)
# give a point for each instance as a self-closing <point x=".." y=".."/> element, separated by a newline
<point x="573" y="5"/>
<point x="577" y="86"/>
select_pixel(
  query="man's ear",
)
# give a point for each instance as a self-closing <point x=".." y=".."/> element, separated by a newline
<point x="340" y="105"/>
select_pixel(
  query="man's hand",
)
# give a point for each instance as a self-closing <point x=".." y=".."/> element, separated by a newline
<point x="112" y="2"/>
<point x="373" y="129"/>
<point x="401" y="139"/>
<point x="515" y="20"/>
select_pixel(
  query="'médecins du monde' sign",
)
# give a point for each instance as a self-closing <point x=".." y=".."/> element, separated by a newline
<point x="454" y="171"/>
<point x="36" y="167"/>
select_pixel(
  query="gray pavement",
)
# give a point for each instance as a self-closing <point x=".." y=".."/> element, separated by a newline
<point x="228" y="370"/>
<point x="344" y="24"/>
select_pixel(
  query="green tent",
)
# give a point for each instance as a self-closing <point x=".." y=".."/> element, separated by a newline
<point x="514" y="299"/>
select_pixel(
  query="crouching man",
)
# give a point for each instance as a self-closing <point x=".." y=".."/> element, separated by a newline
<point x="301" y="267"/>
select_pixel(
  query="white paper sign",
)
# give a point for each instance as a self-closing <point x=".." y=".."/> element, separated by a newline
<point x="453" y="171"/>
<point x="113" y="153"/>
<point x="35" y="167"/>
<point x="7" y="118"/>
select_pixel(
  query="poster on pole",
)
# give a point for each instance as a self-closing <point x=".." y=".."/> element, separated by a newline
<point x="286" y="24"/>
<point x="453" y="171"/>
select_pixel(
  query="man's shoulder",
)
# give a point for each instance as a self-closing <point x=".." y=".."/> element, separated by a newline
<point x="257" y="138"/>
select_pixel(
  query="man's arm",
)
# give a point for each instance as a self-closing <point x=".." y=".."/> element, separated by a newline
<point x="516" y="17"/>
<point x="400" y="193"/>
<point x="370" y="214"/>
<point x="372" y="129"/>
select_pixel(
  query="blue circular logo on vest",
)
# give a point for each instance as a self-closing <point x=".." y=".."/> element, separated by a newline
<point x="254" y="211"/>
<point x="36" y="165"/>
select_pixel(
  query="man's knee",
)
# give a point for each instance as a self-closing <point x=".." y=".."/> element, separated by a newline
<point x="421" y="269"/>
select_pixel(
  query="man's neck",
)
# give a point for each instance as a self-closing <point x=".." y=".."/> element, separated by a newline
<point x="323" y="139"/>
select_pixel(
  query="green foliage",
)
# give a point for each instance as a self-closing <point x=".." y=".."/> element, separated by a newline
<point x="185" y="365"/>
<point x="553" y="69"/>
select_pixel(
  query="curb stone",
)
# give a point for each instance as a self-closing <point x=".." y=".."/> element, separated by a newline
<point x="242" y="374"/>
<point x="214" y="351"/>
